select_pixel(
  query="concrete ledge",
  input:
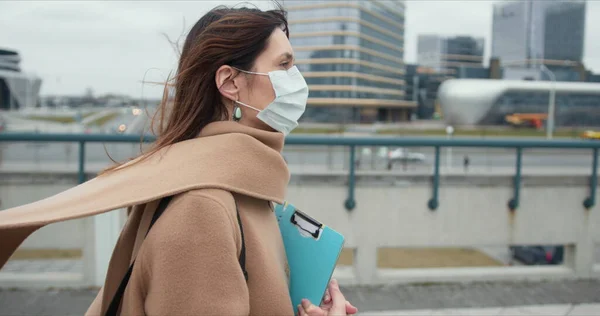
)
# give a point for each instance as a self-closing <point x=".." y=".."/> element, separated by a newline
<point x="379" y="179"/>
<point x="465" y="275"/>
<point x="345" y="275"/>
<point x="386" y="277"/>
<point x="596" y="270"/>
<point x="41" y="280"/>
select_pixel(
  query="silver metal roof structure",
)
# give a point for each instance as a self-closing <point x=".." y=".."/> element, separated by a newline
<point x="467" y="101"/>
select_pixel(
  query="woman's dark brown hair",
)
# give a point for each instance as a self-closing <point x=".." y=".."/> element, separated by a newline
<point x="223" y="36"/>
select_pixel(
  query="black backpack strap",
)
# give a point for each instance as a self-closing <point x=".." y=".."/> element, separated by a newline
<point x="242" y="258"/>
<point x="113" y="308"/>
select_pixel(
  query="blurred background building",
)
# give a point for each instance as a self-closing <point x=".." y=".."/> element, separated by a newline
<point x="351" y="54"/>
<point x="528" y="33"/>
<point x="531" y="41"/>
<point x="440" y="52"/>
<point x="18" y="90"/>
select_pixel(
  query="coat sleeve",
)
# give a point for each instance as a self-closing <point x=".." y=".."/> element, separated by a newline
<point x="192" y="267"/>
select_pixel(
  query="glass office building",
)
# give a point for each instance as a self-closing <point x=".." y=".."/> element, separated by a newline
<point x="351" y="54"/>
<point x="441" y="52"/>
<point x="518" y="30"/>
<point x="531" y="29"/>
<point x="565" y="31"/>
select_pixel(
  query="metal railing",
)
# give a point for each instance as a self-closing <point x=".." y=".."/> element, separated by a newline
<point x="353" y="143"/>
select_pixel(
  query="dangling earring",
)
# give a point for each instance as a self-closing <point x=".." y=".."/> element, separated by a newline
<point x="237" y="113"/>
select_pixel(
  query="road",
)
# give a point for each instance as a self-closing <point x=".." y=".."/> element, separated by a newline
<point x="326" y="156"/>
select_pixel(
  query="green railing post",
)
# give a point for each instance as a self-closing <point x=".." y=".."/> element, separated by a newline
<point x="513" y="204"/>
<point x="350" y="202"/>
<point x="433" y="202"/>
<point x="591" y="200"/>
<point x="81" y="162"/>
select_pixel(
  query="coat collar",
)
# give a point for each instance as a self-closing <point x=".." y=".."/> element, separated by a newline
<point x="273" y="140"/>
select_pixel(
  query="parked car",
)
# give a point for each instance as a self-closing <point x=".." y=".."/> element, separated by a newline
<point x="404" y="156"/>
<point x="538" y="255"/>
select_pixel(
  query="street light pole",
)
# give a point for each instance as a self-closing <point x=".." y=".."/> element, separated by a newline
<point x="551" y="102"/>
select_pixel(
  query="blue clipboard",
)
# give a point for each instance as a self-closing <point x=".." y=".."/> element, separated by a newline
<point x="312" y="251"/>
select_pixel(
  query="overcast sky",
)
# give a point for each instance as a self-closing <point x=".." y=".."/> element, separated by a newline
<point x="109" y="46"/>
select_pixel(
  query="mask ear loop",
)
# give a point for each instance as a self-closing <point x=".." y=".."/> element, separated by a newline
<point x="237" y="113"/>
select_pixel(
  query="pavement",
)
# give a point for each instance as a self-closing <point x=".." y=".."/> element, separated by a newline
<point x="563" y="297"/>
<point x="541" y="310"/>
<point x="567" y="297"/>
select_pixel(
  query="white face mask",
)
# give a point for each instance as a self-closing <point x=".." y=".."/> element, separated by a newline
<point x="291" y="95"/>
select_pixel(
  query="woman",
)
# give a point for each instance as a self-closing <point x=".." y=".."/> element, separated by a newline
<point x="218" y="155"/>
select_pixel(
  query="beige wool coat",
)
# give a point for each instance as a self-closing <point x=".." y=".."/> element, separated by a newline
<point x="188" y="263"/>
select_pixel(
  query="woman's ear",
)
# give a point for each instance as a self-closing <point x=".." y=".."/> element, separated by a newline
<point x="226" y="83"/>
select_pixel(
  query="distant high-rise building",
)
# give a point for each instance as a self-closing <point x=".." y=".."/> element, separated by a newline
<point x="430" y="49"/>
<point x="440" y="52"/>
<point x="351" y="54"/>
<point x="564" y="31"/>
<point x="528" y="31"/>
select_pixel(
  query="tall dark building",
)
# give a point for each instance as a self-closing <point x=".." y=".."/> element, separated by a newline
<point x="565" y="31"/>
<point x="459" y="47"/>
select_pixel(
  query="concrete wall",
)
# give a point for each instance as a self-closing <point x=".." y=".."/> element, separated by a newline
<point x="391" y="212"/>
<point x="20" y="188"/>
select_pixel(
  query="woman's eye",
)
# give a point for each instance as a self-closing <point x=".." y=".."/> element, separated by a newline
<point x="285" y="64"/>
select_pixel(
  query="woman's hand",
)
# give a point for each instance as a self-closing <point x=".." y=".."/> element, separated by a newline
<point x="334" y="304"/>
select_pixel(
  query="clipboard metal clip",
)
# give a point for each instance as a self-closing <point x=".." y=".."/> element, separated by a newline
<point x="307" y="224"/>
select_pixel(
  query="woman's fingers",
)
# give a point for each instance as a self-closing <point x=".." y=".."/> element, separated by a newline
<point x="301" y="311"/>
<point x="350" y="309"/>
<point x="327" y="297"/>
<point x="311" y="309"/>
<point x="334" y="304"/>
<point x="339" y="301"/>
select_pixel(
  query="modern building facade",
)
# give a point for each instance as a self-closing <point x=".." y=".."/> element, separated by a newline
<point x="564" y="31"/>
<point x="17" y="89"/>
<point x="518" y="30"/>
<point x="440" y="52"/>
<point x="531" y="30"/>
<point x="351" y="54"/>
<point x="422" y="83"/>
<point x="487" y="102"/>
